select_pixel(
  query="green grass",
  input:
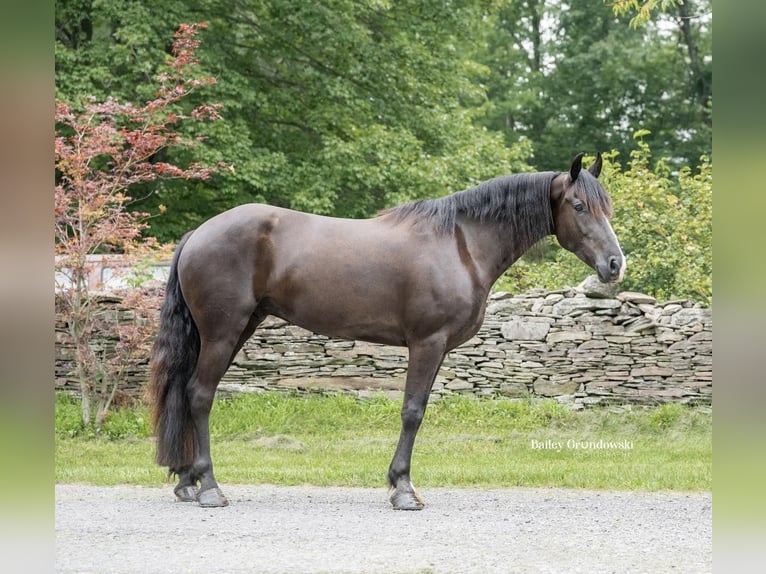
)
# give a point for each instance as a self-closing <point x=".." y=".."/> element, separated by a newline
<point x="339" y="440"/>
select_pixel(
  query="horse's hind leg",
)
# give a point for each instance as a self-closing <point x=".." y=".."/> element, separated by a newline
<point x="214" y="359"/>
<point x="212" y="364"/>
<point x="186" y="489"/>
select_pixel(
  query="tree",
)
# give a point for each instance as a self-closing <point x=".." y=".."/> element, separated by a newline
<point x="340" y="107"/>
<point x="101" y="152"/>
<point x="580" y="78"/>
<point x="665" y="221"/>
<point x="643" y="8"/>
<point x="515" y="53"/>
<point x="692" y="17"/>
<point x="344" y="107"/>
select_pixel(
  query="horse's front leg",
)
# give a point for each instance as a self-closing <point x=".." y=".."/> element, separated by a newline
<point x="425" y="359"/>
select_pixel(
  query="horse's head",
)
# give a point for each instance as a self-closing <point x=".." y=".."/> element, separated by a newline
<point x="581" y="211"/>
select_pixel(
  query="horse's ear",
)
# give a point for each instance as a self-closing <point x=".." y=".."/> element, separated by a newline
<point x="595" y="169"/>
<point x="574" y="169"/>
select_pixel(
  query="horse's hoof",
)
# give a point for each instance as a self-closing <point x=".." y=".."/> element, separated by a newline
<point x="186" y="493"/>
<point x="406" y="500"/>
<point x="211" y="498"/>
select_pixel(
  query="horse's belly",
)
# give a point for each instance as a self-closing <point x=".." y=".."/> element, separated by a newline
<point x="337" y="309"/>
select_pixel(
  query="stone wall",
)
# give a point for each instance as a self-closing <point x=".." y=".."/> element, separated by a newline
<point x="583" y="346"/>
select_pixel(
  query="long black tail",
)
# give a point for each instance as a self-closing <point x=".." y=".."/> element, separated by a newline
<point x="173" y="359"/>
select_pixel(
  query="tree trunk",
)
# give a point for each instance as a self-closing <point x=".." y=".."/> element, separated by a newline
<point x="535" y="14"/>
<point x="106" y="393"/>
<point x="83" y="377"/>
<point x="699" y="84"/>
<point x="79" y="321"/>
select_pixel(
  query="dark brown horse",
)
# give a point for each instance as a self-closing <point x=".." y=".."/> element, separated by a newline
<point x="418" y="275"/>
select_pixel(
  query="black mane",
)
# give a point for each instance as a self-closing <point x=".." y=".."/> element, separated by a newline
<point x="519" y="201"/>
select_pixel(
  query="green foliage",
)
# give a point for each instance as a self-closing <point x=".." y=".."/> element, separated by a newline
<point x="339" y="440"/>
<point x="127" y="422"/>
<point x="346" y="107"/>
<point x="265" y="414"/>
<point x="664" y="222"/>
<point x="643" y="9"/>
<point x="118" y="423"/>
<point x="68" y="416"/>
<point x="665" y="416"/>
<point x="665" y="225"/>
<point x="479" y="414"/>
<point x="112" y="48"/>
<point x="339" y="107"/>
<point x="575" y="77"/>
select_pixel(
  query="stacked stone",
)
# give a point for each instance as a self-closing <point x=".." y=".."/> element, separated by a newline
<point x="281" y="356"/>
<point x="134" y="377"/>
<point x="587" y="345"/>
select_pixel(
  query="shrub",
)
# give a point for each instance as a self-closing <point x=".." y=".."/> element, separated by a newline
<point x="664" y="223"/>
<point x="101" y="152"/>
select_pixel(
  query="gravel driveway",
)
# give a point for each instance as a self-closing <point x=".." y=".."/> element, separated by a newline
<point x="310" y="530"/>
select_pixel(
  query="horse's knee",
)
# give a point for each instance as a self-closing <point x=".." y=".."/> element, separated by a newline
<point x="412" y="415"/>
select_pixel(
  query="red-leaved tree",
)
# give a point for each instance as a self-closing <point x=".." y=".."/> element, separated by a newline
<point x="101" y="151"/>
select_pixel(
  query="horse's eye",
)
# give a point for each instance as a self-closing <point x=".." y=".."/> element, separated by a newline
<point x="579" y="207"/>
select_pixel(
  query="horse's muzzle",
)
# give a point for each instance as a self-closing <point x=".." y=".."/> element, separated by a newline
<point x="613" y="270"/>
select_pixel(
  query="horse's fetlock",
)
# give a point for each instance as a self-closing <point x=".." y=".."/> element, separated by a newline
<point x="201" y="468"/>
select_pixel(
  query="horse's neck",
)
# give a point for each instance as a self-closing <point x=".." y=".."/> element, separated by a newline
<point x="493" y="247"/>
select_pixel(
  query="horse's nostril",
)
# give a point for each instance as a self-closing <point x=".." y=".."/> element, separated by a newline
<point x="614" y="265"/>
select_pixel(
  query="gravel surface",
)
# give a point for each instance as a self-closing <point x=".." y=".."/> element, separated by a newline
<point x="316" y="530"/>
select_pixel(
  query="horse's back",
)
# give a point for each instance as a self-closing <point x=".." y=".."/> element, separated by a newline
<point x="367" y="279"/>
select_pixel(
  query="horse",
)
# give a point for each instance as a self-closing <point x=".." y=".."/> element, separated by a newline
<point x="416" y="275"/>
